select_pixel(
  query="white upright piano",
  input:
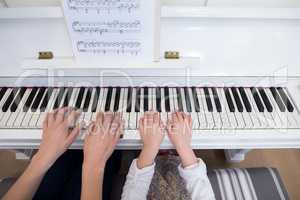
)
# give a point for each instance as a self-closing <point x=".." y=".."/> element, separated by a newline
<point x="238" y="76"/>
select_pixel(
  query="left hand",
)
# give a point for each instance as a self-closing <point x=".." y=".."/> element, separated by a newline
<point x="101" y="140"/>
<point x="57" y="135"/>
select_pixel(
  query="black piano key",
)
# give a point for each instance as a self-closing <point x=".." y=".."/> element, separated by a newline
<point x="257" y="99"/>
<point x="195" y="98"/>
<point x="79" y="98"/>
<point x="187" y="99"/>
<point x="17" y="100"/>
<point x="237" y="99"/>
<point x="30" y="99"/>
<point x="179" y="99"/>
<point x="68" y="97"/>
<point x="108" y="99"/>
<point x="87" y="100"/>
<point x="138" y="100"/>
<point x="10" y="99"/>
<point x="217" y="100"/>
<point x="59" y="98"/>
<point x="38" y="99"/>
<point x="129" y="100"/>
<point x="265" y="99"/>
<point x="2" y="92"/>
<point x="167" y="99"/>
<point x="117" y="99"/>
<point x="208" y="100"/>
<point x="146" y="99"/>
<point x="158" y="99"/>
<point x="96" y="99"/>
<point x="285" y="100"/>
<point x="278" y="99"/>
<point x="229" y="100"/>
<point x="245" y="99"/>
<point x="46" y="99"/>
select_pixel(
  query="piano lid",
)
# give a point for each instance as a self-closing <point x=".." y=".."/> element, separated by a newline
<point x="221" y="41"/>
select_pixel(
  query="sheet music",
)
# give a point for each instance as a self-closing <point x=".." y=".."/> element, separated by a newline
<point x="110" y="29"/>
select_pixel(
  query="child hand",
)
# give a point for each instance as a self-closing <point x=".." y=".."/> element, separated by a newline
<point x="152" y="134"/>
<point x="179" y="130"/>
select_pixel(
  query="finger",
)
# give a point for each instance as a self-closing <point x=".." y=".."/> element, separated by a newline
<point x="51" y="116"/>
<point x="115" y="123"/>
<point x="174" y="117"/>
<point x="71" y="118"/>
<point x="169" y="126"/>
<point x="107" y="120"/>
<point x="179" y="116"/>
<point x="45" y="122"/>
<point x="156" y="118"/>
<point x="99" y="118"/>
<point x="141" y="125"/>
<point x="60" y="115"/>
<point x="73" y="135"/>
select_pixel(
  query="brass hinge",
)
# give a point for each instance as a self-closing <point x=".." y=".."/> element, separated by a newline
<point x="45" y="55"/>
<point x="172" y="55"/>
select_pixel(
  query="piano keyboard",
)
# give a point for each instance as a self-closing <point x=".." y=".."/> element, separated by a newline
<point x="210" y="107"/>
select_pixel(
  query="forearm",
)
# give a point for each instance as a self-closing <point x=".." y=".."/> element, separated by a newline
<point x="28" y="183"/>
<point x="187" y="155"/>
<point x="137" y="182"/>
<point x="92" y="182"/>
<point x="197" y="182"/>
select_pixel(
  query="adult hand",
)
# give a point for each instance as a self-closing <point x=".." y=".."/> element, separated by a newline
<point x="57" y="135"/>
<point x="152" y="134"/>
<point x="179" y="130"/>
<point x="102" y="138"/>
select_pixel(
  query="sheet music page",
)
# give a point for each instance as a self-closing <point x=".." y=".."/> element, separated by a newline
<point x="113" y="30"/>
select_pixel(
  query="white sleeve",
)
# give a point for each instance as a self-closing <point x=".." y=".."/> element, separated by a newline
<point x="197" y="182"/>
<point x="137" y="182"/>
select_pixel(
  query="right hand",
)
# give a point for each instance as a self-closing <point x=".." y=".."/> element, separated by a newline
<point x="102" y="138"/>
<point x="152" y="134"/>
<point x="179" y="130"/>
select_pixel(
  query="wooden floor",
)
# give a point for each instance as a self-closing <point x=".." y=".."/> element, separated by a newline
<point x="286" y="161"/>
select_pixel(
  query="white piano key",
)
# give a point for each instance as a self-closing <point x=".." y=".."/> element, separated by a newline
<point x="163" y="114"/>
<point x="254" y="111"/>
<point x="7" y="114"/>
<point x="226" y="111"/>
<point x="141" y="113"/>
<point x="80" y="119"/>
<point x="216" y="115"/>
<point x="35" y="117"/>
<point x="247" y="119"/>
<point x="261" y="121"/>
<point x="125" y="114"/>
<point x="268" y="115"/>
<point x="154" y="99"/>
<point x="113" y="98"/>
<point x="122" y="106"/>
<point x="88" y="115"/>
<point x="150" y="99"/>
<point x="102" y="107"/>
<point x="194" y="115"/>
<point x="101" y="101"/>
<point x="3" y="100"/>
<point x="201" y="115"/>
<point x="280" y="123"/>
<point x="29" y="113"/>
<point x="132" y="115"/>
<point x="294" y="118"/>
<point x="238" y="115"/>
<point x="15" y="114"/>
<point x="208" y="115"/>
<point x="48" y="108"/>
<point x="223" y="114"/>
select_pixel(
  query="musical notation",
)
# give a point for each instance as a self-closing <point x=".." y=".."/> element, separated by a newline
<point x="104" y="47"/>
<point x="102" y="27"/>
<point x="118" y="29"/>
<point x="104" y="5"/>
